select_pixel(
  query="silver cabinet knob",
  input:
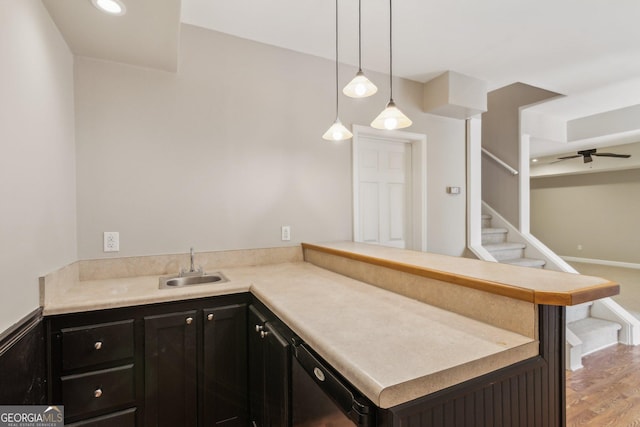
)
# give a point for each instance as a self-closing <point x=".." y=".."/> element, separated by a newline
<point x="97" y="393"/>
<point x="264" y="334"/>
<point x="210" y="316"/>
<point x="259" y="328"/>
<point x="189" y="320"/>
<point x="98" y="345"/>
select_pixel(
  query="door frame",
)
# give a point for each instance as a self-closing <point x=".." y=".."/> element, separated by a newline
<point x="418" y="143"/>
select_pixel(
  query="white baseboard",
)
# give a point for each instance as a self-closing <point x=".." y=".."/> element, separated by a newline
<point x="602" y="262"/>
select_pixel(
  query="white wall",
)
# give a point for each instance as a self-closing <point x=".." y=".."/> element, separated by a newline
<point x="37" y="157"/>
<point x="501" y="136"/>
<point x="221" y="154"/>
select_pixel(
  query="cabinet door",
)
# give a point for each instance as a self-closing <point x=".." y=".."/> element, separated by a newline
<point x="256" y="322"/>
<point x="277" y="374"/>
<point x="224" y="390"/>
<point x="170" y="370"/>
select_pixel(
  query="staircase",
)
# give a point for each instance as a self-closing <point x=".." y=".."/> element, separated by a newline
<point x="586" y="333"/>
<point x="594" y="333"/>
<point x="495" y="241"/>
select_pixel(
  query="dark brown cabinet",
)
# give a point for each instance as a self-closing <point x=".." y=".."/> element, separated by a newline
<point x="224" y="376"/>
<point x="173" y="364"/>
<point x="170" y="370"/>
<point x="269" y="370"/>
<point x="93" y="369"/>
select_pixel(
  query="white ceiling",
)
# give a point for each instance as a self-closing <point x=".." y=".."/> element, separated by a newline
<point x="566" y="46"/>
<point x="588" y="50"/>
<point x="147" y="35"/>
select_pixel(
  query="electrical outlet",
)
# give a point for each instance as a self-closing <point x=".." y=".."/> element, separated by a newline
<point x="285" y="232"/>
<point x="111" y="241"/>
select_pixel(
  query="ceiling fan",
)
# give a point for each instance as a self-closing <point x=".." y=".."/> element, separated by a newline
<point x="586" y="154"/>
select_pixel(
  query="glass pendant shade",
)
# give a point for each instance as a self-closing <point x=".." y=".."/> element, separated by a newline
<point x="360" y="87"/>
<point x="391" y="118"/>
<point x="337" y="132"/>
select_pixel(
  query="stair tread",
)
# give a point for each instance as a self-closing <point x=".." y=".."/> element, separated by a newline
<point x="490" y="230"/>
<point x="591" y="325"/>
<point x="503" y="246"/>
<point x="527" y="262"/>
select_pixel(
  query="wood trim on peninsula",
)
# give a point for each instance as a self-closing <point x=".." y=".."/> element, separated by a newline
<point x="536" y="296"/>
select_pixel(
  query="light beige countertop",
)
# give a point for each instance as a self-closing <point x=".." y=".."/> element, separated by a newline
<point x="102" y="294"/>
<point x="538" y="286"/>
<point x="392" y="348"/>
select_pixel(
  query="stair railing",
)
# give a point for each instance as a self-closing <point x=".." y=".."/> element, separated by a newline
<point x="499" y="161"/>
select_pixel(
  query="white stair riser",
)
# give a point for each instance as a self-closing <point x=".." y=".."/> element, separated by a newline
<point x="599" y="339"/>
<point x="595" y="333"/>
<point x="493" y="238"/>
<point x="486" y="221"/>
<point x="577" y="312"/>
<point x="507" y="254"/>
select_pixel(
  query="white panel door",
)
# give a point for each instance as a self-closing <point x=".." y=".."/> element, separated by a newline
<point x="384" y="183"/>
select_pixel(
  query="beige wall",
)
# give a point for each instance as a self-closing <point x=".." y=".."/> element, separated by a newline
<point x="599" y="211"/>
<point x="501" y="136"/>
<point x="221" y="154"/>
<point x="37" y="158"/>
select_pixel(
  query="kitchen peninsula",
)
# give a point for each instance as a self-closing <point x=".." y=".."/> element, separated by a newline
<point x="430" y="340"/>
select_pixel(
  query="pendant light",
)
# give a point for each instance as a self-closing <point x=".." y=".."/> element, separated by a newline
<point x="391" y="117"/>
<point x="360" y="86"/>
<point x="337" y="131"/>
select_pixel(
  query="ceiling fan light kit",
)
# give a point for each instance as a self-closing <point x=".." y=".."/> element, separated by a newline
<point x="586" y="155"/>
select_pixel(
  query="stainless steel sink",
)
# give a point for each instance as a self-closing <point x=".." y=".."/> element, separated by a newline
<point x="172" y="282"/>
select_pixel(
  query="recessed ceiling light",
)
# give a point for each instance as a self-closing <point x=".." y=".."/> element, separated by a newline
<point x="534" y="160"/>
<point x="112" y="7"/>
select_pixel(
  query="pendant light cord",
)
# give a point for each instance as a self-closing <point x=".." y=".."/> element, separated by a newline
<point x="337" y="115"/>
<point x="390" y="52"/>
<point x="359" y="35"/>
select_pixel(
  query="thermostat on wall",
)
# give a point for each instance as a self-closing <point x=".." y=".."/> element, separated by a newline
<point x="453" y="190"/>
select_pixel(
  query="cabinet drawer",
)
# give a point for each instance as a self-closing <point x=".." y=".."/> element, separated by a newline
<point x="97" y="390"/>
<point x="120" y="419"/>
<point x="91" y="345"/>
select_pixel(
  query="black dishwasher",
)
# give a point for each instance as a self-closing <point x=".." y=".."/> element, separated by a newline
<point x="321" y="398"/>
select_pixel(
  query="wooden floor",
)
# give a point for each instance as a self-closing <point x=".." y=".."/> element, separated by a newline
<point x="606" y="392"/>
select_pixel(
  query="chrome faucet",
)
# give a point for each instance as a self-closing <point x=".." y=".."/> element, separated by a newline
<point x="194" y="270"/>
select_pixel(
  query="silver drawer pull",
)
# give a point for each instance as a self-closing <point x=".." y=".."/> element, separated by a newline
<point x="97" y="393"/>
<point x="189" y="320"/>
<point x="259" y="328"/>
<point x="98" y="345"/>
<point x="318" y="373"/>
<point x="264" y="334"/>
<point x="209" y="317"/>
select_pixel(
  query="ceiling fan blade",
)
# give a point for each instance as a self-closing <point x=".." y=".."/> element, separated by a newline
<point x="569" y="157"/>
<point x="623" y="156"/>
